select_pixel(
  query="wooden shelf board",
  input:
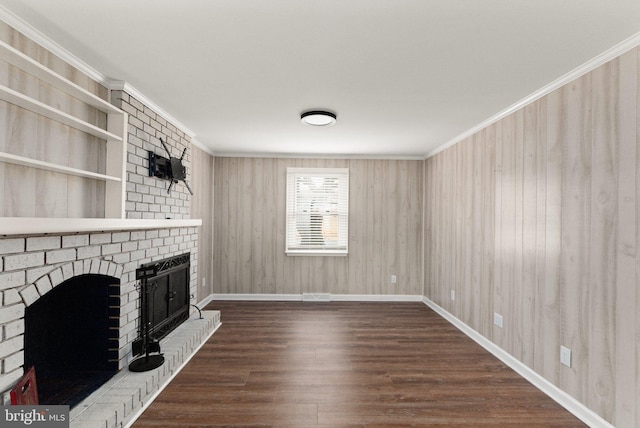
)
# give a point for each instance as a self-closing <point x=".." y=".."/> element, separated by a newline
<point x="38" y="107"/>
<point x="13" y="56"/>
<point x="33" y="163"/>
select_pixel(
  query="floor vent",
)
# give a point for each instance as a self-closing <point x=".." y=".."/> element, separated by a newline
<point x="316" y="297"/>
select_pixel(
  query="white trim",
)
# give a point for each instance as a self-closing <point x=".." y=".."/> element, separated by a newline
<point x="121" y="85"/>
<point x="578" y="409"/>
<point x="322" y="171"/>
<point x="259" y="297"/>
<point x="375" y="298"/>
<point x="149" y="400"/>
<point x="200" y="145"/>
<point x="332" y="297"/>
<point x="38" y="226"/>
<point x="37" y="36"/>
<point x="585" y="68"/>
<point x="316" y="297"/>
<point x="315" y="156"/>
<point x="204" y="302"/>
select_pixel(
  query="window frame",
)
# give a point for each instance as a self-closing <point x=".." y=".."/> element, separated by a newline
<point x="293" y="246"/>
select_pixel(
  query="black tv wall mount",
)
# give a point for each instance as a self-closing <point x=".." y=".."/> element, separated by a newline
<point x="168" y="168"/>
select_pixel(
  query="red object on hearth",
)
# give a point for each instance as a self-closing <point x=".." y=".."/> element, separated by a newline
<point x="25" y="391"/>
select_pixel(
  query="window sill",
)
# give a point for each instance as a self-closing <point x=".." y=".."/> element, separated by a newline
<point x="335" y="253"/>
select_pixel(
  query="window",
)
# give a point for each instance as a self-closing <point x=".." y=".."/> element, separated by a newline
<point x="317" y="211"/>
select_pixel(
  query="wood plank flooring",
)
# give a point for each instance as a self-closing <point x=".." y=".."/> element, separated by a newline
<point x="345" y="364"/>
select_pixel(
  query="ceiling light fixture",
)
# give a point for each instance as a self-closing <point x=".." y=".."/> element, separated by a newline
<point x="318" y="118"/>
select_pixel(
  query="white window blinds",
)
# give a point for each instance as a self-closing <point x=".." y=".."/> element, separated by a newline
<point x="317" y="210"/>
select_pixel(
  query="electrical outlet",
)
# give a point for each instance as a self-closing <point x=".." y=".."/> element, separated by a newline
<point x="453" y="294"/>
<point x="394" y="279"/>
<point x="497" y="319"/>
<point x="204" y="282"/>
<point x="565" y="356"/>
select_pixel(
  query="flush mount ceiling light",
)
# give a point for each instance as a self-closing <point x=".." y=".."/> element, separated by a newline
<point x="318" y="118"/>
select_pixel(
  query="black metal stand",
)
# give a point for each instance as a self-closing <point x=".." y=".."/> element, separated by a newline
<point x="147" y="361"/>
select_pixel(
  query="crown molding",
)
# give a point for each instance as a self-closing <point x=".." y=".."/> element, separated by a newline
<point x="202" y="147"/>
<point x="606" y="56"/>
<point x="121" y="85"/>
<point x="315" y="156"/>
<point x="43" y="40"/>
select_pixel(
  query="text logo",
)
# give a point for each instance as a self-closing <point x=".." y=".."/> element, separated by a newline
<point x="35" y="416"/>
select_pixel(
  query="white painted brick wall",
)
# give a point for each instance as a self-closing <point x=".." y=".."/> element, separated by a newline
<point x="22" y="261"/>
<point x="145" y="128"/>
<point x="60" y="256"/>
<point x="13" y="329"/>
<point x="10" y="346"/>
<point x="75" y="241"/>
<point x="11" y="313"/>
<point x="99" y="238"/>
<point x="8" y="246"/>
<point x="12" y="279"/>
<point x="44" y="243"/>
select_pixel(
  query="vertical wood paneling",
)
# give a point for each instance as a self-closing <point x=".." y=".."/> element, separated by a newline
<point x="636" y="353"/>
<point x="384" y="230"/>
<point x="517" y="292"/>
<point x="529" y="228"/>
<point x="477" y="239"/>
<point x="558" y="229"/>
<point x="625" y="311"/>
<point x="576" y="223"/>
<point x="489" y="229"/>
<point x="471" y="218"/>
<point x="553" y="226"/>
<point x="496" y="300"/>
<point x="539" y="350"/>
<point x="201" y="178"/>
<point x="605" y="171"/>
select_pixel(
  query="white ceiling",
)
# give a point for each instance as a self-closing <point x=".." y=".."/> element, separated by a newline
<point x="404" y="76"/>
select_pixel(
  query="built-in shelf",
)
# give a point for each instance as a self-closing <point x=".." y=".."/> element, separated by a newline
<point x="114" y="134"/>
<point x="13" y="56"/>
<point x="23" y="161"/>
<point x="35" y="106"/>
<point x="39" y="226"/>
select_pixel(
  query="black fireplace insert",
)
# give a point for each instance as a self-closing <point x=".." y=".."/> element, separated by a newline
<point x="164" y="300"/>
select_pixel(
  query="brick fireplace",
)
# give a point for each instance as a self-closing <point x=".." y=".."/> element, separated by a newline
<point x="58" y="224"/>
<point x="33" y="266"/>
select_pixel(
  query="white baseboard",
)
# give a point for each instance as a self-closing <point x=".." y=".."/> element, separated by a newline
<point x="578" y="409"/>
<point x="316" y="297"/>
<point x="375" y="298"/>
<point x="259" y="297"/>
<point x="322" y="297"/>
<point x="204" y="302"/>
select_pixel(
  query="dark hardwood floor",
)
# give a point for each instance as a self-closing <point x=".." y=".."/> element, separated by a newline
<point x="346" y="364"/>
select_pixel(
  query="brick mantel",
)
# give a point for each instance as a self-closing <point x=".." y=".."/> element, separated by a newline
<point x="39" y="226"/>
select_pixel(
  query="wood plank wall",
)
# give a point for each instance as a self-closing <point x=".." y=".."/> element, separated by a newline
<point x="537" y="217"/>
<point x="201" y="181"/>
<point x="384" y="230"/>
